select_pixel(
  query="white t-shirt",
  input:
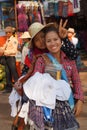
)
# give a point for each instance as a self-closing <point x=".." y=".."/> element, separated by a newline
<point x="74" y="41"/>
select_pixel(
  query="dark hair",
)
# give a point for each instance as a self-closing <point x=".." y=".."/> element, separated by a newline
<point x="51" y="28"/>
<point x="32" y="44"/>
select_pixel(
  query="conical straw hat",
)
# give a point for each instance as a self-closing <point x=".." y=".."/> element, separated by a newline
<point x="25" y="35"/>
<point x="36" y="27"/>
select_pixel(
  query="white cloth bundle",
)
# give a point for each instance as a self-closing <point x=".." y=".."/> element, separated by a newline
<point x="13" y="98"/>
<point x="24" y="112"/>
<point x="45" y="90"/>
<point x="74" y="41"/>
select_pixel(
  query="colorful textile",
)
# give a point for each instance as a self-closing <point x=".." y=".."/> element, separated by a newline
<point x="70" y="8"/>
<point x="36" y="115"/>
<point x="22" y="18"/>
<point x="64" y="118"/>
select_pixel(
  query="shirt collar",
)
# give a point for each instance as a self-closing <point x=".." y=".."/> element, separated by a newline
<point x="63" y="56"/>
<point x="10" y="38"/>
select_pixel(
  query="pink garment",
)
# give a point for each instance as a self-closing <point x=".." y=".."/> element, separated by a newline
<point x="22" y="19"/>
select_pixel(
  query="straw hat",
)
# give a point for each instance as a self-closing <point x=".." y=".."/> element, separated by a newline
<point x="25" y="35"/>
<point x="8" y="29"/>
<point x="36" y="27"/>
<point x="71" y="30"/>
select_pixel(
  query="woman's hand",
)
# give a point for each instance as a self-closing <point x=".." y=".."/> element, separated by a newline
<point x="19" y="87"/>
<point x="62" y="29"/>
<point x="78" y="108"/>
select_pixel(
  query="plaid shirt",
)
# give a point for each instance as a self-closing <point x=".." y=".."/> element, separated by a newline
<point x="71" y="71"/>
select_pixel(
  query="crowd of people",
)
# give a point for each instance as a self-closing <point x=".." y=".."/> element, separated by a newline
<point x="49" y="91"/>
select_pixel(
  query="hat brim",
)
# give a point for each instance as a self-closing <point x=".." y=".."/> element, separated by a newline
<point x="45" y="26"/>
<point x="25" y="37"/>
<point x="72" y="33"/>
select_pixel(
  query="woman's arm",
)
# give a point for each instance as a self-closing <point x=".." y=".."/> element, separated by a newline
<point x="39" y="65"/>
<point x="69" y="49"/>
<point x="78" y="92"/>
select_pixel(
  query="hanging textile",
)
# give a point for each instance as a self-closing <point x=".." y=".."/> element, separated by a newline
<point x="76" y="6"/>
<point x="70" y="8"/>
<point x="22" y="18"/>
<point x="46" y="9"/>
<point x="29" y="12"/>
<point x="63" y="8"/>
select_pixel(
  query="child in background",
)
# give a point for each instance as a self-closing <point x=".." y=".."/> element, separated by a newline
<point x="71" y="37"/>
<point x="74" y="40"/>
<point x="25" y="46"/>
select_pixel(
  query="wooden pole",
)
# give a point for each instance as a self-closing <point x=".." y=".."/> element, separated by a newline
<point x="15" y="2"/>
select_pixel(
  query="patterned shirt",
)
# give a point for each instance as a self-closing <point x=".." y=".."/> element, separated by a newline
<point x="69" y="49"/>
<point x="71" y="71"/>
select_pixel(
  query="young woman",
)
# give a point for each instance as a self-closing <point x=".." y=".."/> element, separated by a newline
<point x="53" y="44"/>
<point x="63" y="116"/>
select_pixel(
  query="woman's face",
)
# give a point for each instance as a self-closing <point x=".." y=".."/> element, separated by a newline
<point x="39" y="40"/>
<point x="53" y="42"/>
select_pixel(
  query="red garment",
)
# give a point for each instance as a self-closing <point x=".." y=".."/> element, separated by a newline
<point x="39" y="51"/>
<point x="71" y="71"/>
<point x="35" y="52"/>
<point x="27" y="61"/>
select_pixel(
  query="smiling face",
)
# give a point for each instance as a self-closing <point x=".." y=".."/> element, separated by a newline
<point x="53" y="42"/>
<point x="39" y="40"/>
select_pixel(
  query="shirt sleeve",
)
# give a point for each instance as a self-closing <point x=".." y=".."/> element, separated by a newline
<point x="69" y="49"/>
<point x="39" y="65"/>
<point x="3" y="47"/>
<point x="76" y="82"/>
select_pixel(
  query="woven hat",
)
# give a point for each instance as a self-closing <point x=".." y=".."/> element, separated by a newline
<point x="36" y="27"/>
<point x="8" y="29"/>
<point x="25" y="35"/>
<point x="71" y="30"/>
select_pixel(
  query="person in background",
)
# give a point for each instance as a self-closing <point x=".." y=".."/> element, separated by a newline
<point x="74" y="40"/>
<point x="71" y="36"/>
<point x="9" y="50"/>
<point x="24" y="47"/>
